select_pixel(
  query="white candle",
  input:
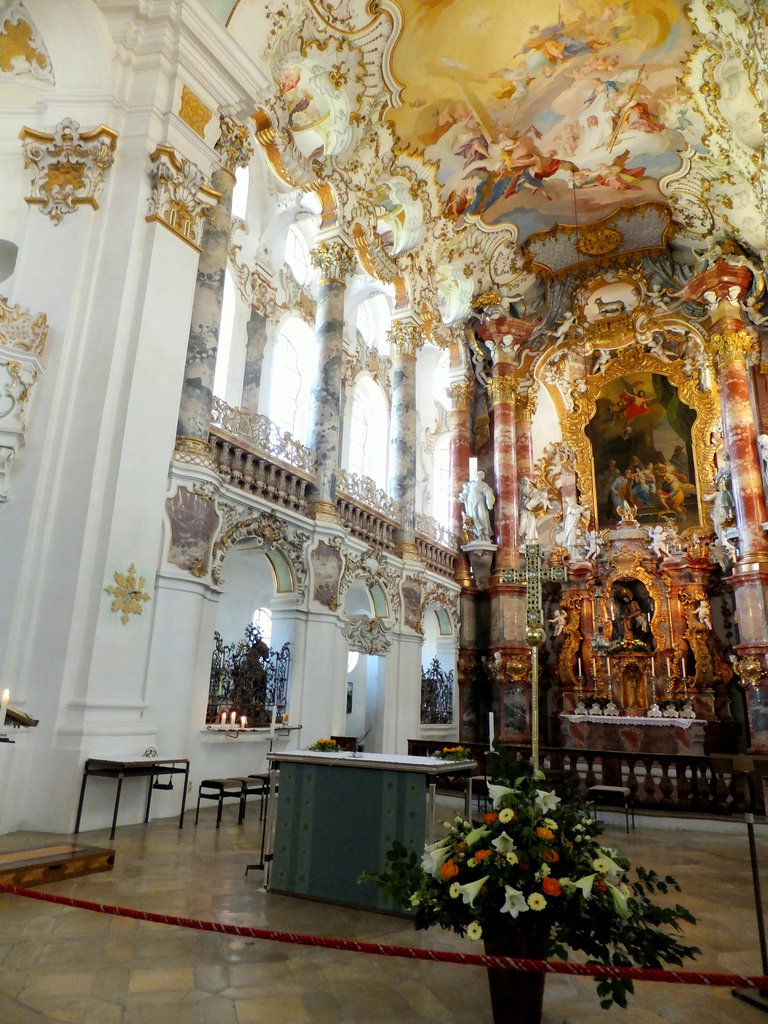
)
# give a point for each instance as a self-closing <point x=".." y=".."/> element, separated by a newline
<point x="653" y="667"/>
<point x="669" y="670"/>
<point x="491" y="730"/>
<point x="223" y="717"/>
<point x="4" y="706"/>
<point x="580" y="673"/>
<point x="233" y="718"/>
<point x="243" y="721"/>
<point x="608" y="665"/>
<point x="682" y="666"/>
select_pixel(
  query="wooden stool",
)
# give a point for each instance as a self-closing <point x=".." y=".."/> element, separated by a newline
<point x="221" y="790"/>
<point x="623" y="793"/>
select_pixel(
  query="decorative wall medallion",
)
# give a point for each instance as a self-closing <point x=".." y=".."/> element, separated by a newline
<point x="368" y="636"/>
<point x="22" y="340"/>
<point x="22" y="52"/>
<point x="128" y="593"/>
<point x="194" y="521"/>
<point x="194" y="112"/>
<point x="69" y="166"/>
<point x="181" y="196"/>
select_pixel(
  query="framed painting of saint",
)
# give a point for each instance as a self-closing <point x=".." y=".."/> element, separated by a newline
<point x="640" y="435"/>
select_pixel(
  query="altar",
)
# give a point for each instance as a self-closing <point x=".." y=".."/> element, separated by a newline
<point x="634" y="734"/>
<point x="339" y="813"/>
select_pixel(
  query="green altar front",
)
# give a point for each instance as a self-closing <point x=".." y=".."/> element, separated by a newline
<point x="338" y="814"/>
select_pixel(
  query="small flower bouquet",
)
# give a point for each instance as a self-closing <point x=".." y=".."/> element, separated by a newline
<point x="329" y="746"/>
<point x="455" y="754"/>
<point x="534" y="866"/>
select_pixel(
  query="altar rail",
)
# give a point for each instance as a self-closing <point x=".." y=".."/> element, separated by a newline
<point x="666" y="783"/>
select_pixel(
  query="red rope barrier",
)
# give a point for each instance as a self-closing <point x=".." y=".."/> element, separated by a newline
<point x="407" y="952"/>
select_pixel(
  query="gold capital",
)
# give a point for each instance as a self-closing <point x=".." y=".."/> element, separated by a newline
<point x="405" y="337"/>
<point x="461" y="395"/>
<point x="502" y="389"/>
<point x="730" y="347"/>
<point x="335" y="259"/>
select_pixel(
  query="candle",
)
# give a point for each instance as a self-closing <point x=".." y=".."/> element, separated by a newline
<point x="608" y="665"/>
<point x="4" y="706"/>
<point x="580" y="672"/>
<point x="491" y="730"/>
<point x="653" y="667"/>
<point x="223" y="717"/>
<point x="233" y="718"/>
<point x="243" y="721"/>
<point x="682" y="666"/>
<point x="669" y="670"/>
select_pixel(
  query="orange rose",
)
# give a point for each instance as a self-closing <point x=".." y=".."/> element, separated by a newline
<point x="482" y="854"/>
<point x="545" y="833"/>
<point x="551" y="856"/>
<point x="551" y="887"/>
<point x="489" y="817"/>
<point x="449" y="869"/>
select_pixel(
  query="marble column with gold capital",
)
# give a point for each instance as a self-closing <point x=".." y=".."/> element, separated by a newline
<point x="502" y="389"/>
<point x="459" y="451"/>
<point x="234" y="149"/>
<point x="336" y="261"/>
<point x="406" y="338"/>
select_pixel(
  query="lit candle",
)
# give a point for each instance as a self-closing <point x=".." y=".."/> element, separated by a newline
<point x="491" y="729"/>
<point x="4" y="706"/>
<point x="233" y="718"/>
<point x="223" y="717"/>
<point x="243" y="721"/>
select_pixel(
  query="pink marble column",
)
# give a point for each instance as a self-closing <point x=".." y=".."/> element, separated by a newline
<point x="501" y="388"/>
<point x="525" y="406"/>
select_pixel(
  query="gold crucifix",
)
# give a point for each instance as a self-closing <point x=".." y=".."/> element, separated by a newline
<point x="533" y="575"/>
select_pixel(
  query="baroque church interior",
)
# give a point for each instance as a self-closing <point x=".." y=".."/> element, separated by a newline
<point x="330" y="333"/>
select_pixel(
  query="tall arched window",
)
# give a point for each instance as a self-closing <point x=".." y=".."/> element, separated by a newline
<point x="368" y="432"/>
<point x="374" y="320"/>
<point x="291" y="376"/>
<point x="226" y="327"/>
<point x="296" y="255"/>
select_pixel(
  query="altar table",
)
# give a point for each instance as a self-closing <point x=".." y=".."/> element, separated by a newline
<point x="634" y="734"/>
<point x="141" y="767"/>
<point x="338" y="814"/>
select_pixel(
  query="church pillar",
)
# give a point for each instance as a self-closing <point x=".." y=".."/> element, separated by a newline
<point x="459" y="454"/>
<point x="502" y="388"/>
<point x="723" y="286"/>
<point x="256" y="330"/>
<point x="336" y="262"/>
<point x="525" y="407"/>
<point x="406" y="339"/>
<point x="234" y="150"/>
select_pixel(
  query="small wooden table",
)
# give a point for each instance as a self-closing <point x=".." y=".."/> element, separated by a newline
<point x="144" y="767"/>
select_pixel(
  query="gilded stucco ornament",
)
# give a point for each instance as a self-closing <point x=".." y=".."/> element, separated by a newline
<point x="405" y="337"/>
<point x="503" y="389"/>
<point x="234" y="147"/>
<point x="22" y="341"/>
<point x="462" y="395"/>
<point x="335" y="260"/>
<point x="731" y="347"/>
<point x="368" y="635"/>
<point x="194" y="112"/>
<point x="69" y="166"/>
<point x="128" y="593"/>
<point x="22" y="50"/>
<point x="181" y="196"/>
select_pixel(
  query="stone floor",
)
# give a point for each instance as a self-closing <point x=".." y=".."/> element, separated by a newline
<point x="64" y="964"/>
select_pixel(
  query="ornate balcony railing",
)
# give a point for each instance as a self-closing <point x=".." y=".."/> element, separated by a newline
<point x="363" y="490"/>
<point x="261" y="433"/>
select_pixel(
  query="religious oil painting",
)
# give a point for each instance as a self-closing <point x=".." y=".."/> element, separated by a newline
<point x="641" y="443"/>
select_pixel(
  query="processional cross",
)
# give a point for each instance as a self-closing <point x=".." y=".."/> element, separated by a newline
<point x="533" y="575"/>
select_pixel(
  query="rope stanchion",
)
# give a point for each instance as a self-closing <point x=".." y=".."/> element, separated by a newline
<point x="406" y="952"/>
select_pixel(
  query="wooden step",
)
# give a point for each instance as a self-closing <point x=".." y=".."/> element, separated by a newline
<point x="51" y="863"/>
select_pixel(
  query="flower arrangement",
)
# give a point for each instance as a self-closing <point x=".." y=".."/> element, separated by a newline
<point x="455" y="754"/>
<point x="329" y="746"/>
<point x="534" y="866"/>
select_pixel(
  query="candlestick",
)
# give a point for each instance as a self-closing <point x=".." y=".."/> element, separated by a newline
<point x="4" y="706"/>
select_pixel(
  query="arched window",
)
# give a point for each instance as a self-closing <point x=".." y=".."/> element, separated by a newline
<point x="374" y="320"/>
<point x="291" y="376"/>
<point x="368" y="432"/>
<point x="296" y="255"/>
<point x="262" y="620"/>
<point x="240" y="193"/>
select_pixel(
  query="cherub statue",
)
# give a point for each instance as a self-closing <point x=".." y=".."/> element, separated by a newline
<point x="702" y="613"/>
<point x="558" y="621"/>
<point x="659" y="544"/>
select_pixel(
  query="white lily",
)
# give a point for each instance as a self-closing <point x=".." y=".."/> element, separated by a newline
<point x="515" y="903"/>
<point x="504" y="843"/>
<point x="471" y="889"/>
<point x="585" y="884"/>
<point x="497" y="794"/>
<point x="435" y="855"/>
<point x="473" y="837"/>
<point x="546" y="801"/>
<point x="619" y="901"/>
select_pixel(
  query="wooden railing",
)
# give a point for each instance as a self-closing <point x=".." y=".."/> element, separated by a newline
<point x="666" y="783"/>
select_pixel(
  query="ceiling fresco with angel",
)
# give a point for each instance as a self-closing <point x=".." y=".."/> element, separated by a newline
<point x="563" y="115"/>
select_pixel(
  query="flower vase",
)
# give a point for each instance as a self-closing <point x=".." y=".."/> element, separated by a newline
<point x="516" y="996"/>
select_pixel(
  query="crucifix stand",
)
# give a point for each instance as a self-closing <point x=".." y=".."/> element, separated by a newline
<point x="533" y="575"/>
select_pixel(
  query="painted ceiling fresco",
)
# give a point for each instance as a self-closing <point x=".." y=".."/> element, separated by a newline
<point x="564" y="113"/>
